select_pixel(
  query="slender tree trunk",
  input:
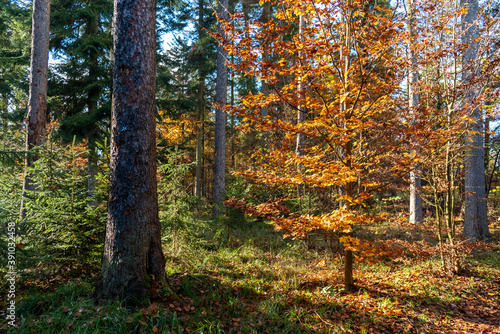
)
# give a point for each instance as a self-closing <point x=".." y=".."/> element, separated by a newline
<point x="220" y="118"/>
<point x="233" y="134"/>
<point x="264" y="113"/>
<point x="301" y="115"/>
<point x="475" y="219"/>
<point x="93" y="96"/>
<point x="349" y="258"/>
<point x="232" y="117"/>
<point x="132" y="249"/>
<point x="198" y="186"/>
<point x="91" y="170"/>
<point x="37" y="101"/>
<point x="345" y="55"/>
<point x="416" y="215"/>
<point x="199" y="154"/>
<point x="487" y="145"/>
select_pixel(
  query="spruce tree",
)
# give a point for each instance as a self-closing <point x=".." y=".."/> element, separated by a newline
<point x="81" y="80"/>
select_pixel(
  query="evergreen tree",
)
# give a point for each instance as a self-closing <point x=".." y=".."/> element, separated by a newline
<point x="80" y="82"/>
<point x="186" y="78"/>
<point x="14" y="62"/>
<point x="132" y="250"/>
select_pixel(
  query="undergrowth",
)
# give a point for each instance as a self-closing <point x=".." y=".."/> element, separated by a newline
<point x="254" y="281"/>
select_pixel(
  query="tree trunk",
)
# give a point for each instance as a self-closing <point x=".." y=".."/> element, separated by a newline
<point x="37" y="101"/>
<point x="233" y="134"/>
<point x="92" y="98"/>
<point x="132" y="249"/>
<point x="91" y="170"/>
<point x="475" y="219"/>
<point x="199" y="154"/>
<point x="348" y="255"/>
<point x="264" y="113"/>
<point x="301" y="115"/>
<point x="487" y="144"/>
<point x="198" y="186"/>
<point x="220" y="117"/>
<point x="416" y="215"/>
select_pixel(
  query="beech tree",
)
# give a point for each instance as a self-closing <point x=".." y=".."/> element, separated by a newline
<point x="37" y="101"/>
<point x="475" y="218"/>
<point x="132" y="250"/>
<point x="345" y="65"/>
<point x="416" y="215"/>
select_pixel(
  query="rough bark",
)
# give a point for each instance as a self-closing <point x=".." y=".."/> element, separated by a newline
<point x="132" y="249"/>
<point x="475" y="218"/>
<point x="37" y="101"/>
<point x="220" y="117"/>
<point x="416" y="215"/>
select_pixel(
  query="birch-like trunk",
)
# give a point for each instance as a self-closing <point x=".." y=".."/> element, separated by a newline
<point x="416" y="215"/>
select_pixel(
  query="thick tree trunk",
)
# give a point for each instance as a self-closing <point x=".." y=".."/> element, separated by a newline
<point x="37" y="101"/>
<point x="416" y="215"/>
<point x="220" y="118"/>
<point x="132" y="250"/>
<point x="475" y="219"/>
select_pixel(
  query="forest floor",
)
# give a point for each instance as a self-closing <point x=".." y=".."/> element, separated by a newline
<point x="256" y="282"/>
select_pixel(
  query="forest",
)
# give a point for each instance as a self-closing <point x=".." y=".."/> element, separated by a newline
<point x="249" y="166"/>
